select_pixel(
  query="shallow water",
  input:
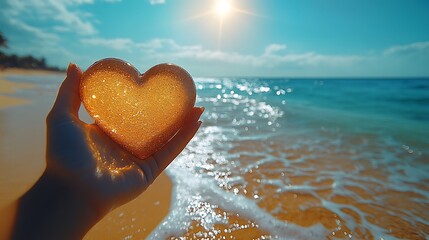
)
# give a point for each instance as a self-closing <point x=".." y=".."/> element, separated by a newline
<point x="299" y="159"/>
<point x="306" y="159"/>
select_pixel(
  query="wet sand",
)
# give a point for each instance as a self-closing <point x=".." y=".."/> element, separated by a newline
<point x="8" y="88"/>
<point x="367" y="202"/>
<point x="22" y="162"/>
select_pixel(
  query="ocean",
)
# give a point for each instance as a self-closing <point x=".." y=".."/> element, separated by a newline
<point x="305" y="159"/>
<point x="299" y="159"/>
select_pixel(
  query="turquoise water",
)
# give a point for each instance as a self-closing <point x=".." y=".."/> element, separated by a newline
<point x="302" y="158"/>
<point x="347" y="138"/>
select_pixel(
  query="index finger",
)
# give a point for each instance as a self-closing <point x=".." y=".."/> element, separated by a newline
<point x="156" y="163"/>
<point x="176" y="145"/>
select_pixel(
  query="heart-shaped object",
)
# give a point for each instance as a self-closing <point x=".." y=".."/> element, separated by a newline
<point x="139" y="112"/>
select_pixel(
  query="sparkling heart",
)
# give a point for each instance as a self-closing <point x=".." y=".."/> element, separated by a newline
<point x="139" y="112"/>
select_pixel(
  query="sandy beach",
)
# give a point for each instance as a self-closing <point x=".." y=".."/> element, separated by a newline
<point x="8" y="88"/>
<point x="22" y="149"/>
<point x="266" y="163"/>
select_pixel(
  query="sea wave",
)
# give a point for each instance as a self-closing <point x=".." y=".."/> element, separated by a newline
<point x="268" y="165"/>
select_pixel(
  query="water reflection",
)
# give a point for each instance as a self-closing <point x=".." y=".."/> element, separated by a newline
<point x="267" y="156"/>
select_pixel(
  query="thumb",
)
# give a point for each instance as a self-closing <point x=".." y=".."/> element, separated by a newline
<point x="68" y="99"/>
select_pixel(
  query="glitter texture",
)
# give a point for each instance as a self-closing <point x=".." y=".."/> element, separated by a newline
<point x="140" y="112"/>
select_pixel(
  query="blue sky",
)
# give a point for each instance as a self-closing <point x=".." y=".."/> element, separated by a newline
<point x="292" y="38"/>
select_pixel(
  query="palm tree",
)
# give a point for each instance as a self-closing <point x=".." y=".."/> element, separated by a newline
<point x="3" y="41"/>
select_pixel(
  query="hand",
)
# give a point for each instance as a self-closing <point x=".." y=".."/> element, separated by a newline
<point x="83" y="155"/>
<point x="97" y="173"/>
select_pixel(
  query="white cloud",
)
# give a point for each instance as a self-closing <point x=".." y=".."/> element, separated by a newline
<point x="37" y="32"/>
<point x="39" y="25"/>
<point x="272" y="48"/>
<point x="418" y="47"/>
<point x="273" y="60"/>
<point x="153" y="2"/>
<point x="157" y="44"/>
<point x="60" y="28"/>
<point x="311" y="59"/>
<point x="24" y="14"/>
<point x="74" y="20"/>
<point x="77" y="2"/>
<point x="116" y="43"/>
<point x="271" y="56"/>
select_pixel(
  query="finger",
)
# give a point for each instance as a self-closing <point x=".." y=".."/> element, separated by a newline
<point x="68" y="100"/>
<point x="154" y="166"/>
<point x="156" y="163"/>
<point x="175" y="146"/>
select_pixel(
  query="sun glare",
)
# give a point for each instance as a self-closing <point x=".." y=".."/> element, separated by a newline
<point x="221" y="10"/>
<point x="223" y="7"/>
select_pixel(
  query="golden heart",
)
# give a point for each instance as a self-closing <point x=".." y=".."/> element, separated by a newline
<point x="139" y="112"/>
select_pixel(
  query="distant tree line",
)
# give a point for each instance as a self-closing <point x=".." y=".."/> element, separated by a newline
<point x="27" y="62"/>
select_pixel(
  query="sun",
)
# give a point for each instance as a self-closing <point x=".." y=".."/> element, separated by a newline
<point x="222" y="11"/>
<point x="223" y="7"/>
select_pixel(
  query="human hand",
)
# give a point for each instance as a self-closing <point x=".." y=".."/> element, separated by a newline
<point x="87" y="174"/>
<point x="83" y="156"/>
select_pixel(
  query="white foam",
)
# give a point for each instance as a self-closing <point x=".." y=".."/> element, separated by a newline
<point x="206" y="174"/>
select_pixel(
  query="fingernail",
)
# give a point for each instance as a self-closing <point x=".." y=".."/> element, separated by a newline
<point x="71" y="68"/>
<point x="200" y="110"/>
<point x="195" y="114"/>
<point x="68" y="68"/>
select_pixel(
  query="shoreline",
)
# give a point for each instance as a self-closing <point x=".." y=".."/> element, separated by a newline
<point x="8" y="88"/>
<point x="140" y="216"/>
<point x="24" y="71"/>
